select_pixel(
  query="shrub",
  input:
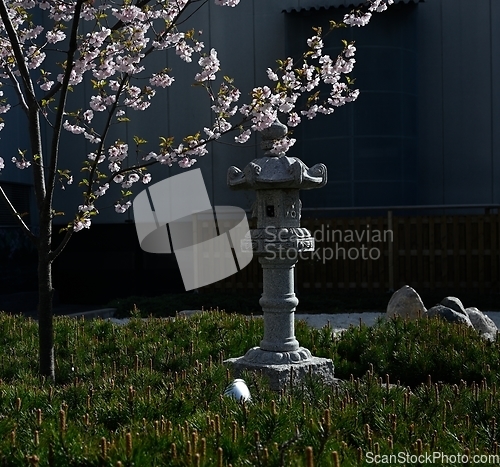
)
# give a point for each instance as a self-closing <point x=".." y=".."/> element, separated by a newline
<point x="410" y="351"/>
<point x="150" y="393"/>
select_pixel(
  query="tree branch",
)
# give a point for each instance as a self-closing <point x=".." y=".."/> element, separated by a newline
<point x="17" y="50"/>
<point x="194" y="12"/>
<point x="186" y="149"/>
<point x="18" y="90"/>
<point x="56" y="136"/>
<point x="33" y="111"/>
<point x="18" y="218"/>
<point x="105" y="134"/>
<point x="55" y="253"/>
<point x="172" y="25"/>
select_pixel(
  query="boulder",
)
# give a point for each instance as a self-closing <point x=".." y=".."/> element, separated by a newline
<point x="406" y="302"/>
<point x="188" y="313"/>
<point x="454" y="303"/>
<point x="449" y="314"/>
<point x="482" y="323"/>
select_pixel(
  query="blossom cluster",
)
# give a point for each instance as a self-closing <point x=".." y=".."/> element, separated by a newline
<point x="109" y="48"/>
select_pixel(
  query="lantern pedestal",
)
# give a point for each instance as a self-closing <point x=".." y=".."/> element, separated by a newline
<point x="281" y="375"/>
<point x="278" y="241"/>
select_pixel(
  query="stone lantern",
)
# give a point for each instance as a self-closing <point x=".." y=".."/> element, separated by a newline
<point x="278" y="241"/>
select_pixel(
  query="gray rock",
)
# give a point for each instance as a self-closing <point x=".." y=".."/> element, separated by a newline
<point x="454" y="303"/>
<point x="188" y="313"/>
<point x="406" y="302"/>
<point x="482" y="323"/>
<point x="449" y="314"/>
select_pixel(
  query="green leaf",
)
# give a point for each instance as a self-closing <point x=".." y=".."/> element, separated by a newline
<point x="190" y="138"/>
<point x="138" y="140"/>
<point x="335" y="25"/>
<point x="46" y="102"/>
<point x="165" y="143"/>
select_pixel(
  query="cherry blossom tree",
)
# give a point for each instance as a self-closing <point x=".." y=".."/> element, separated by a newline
<point x="49" y="48"/>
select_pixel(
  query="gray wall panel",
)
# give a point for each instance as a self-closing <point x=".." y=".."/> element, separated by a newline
<point x="452" y="88"/>
<point x="457" y="98"/>
<point x="430" y="103"/>
<point x="495" y="99"/>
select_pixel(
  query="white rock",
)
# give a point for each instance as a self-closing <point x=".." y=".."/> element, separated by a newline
<point x="454" y="303"/>
<point x="482" y="323"/>
<point x="449" y="314"/>
<point x="406" y="302"/>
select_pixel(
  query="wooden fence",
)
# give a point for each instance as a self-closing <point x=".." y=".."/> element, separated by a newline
<point x="428" y="252"/>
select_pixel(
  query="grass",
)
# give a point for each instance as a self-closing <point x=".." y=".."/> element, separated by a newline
<point x="151" y="393"/>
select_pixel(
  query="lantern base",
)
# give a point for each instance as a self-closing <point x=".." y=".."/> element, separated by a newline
<point x="286" y="374"/>
<point x="259" y="356"/>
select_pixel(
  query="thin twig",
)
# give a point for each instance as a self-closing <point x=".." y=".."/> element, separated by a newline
<point x="17" y="216"/>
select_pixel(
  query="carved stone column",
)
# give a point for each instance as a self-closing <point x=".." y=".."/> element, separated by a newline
<point x="277" y="241"/>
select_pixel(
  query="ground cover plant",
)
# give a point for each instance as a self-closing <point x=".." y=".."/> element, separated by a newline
<point x="151" y="393"/>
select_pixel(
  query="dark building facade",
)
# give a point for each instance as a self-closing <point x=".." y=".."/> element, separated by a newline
<point x="370" y="146"/>
<point x="425" y="129"/>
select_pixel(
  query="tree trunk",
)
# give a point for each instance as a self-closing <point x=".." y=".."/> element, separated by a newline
<point x="45" y="294"/>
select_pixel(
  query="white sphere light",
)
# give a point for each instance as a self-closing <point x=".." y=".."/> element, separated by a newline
<point x="239" y="390"/>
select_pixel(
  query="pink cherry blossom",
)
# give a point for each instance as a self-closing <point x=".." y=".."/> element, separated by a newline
<point x="283" y="145"/>
<point x="102" y="190"/>
<point x="55" y="36"/>
<point x="114" y="59"/>
<point x="186" y="162"/>
<point x="47" y="85"/>
<point x="380" y="5"/>
<point x="161" y="79"/>
<point x="210" y="65"/>
<point x="357" y="19"/>
<point x="21" y="164"/>
<point x="293" y="119"/>
<point x="121" y="208"/>
<point x="243" y="137"/>
<point x="81" y="224"/>
<point x="230" y="3"/>
<point x="75" y="129"/>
